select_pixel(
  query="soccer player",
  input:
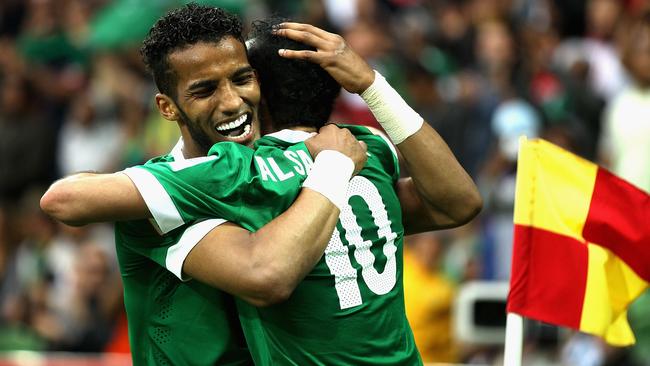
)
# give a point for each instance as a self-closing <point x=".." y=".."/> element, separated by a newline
<point x="450" y="201"/>
<point x="208" y="88"/>
<point x="349" y="309"/>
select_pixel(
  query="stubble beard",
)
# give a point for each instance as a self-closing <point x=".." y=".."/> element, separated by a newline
<point x="200" y="138"/>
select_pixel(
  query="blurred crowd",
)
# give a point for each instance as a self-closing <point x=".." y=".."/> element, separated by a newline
<point x="74" y="96"/>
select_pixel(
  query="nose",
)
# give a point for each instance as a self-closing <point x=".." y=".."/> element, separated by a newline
<point x="229" y="99"/>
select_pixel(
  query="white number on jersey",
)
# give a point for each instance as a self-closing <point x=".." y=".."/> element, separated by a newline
<point x="336" y="254"/>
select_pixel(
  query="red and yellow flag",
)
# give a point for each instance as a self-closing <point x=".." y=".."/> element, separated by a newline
<point x="581" y="243"/>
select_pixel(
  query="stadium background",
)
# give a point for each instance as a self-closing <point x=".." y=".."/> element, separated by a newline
<point x="74" y="96"/>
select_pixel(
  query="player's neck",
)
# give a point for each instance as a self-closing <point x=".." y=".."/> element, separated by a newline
<point x="191" y="149"/>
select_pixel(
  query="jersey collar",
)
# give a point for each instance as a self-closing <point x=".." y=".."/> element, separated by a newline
<point x="177" y="151"/>
<point x="291" y="136"/>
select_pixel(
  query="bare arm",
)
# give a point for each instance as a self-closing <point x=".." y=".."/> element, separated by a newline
<point x="439" y="193"/>
<point x="264" y="267"/>
<point x="84" y="198"/>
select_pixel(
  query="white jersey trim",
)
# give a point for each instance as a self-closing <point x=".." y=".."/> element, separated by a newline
<point x="177" y="253"/>
<point x="186" y="163"/>
<point x="161" y="206"/>
<point x="177" y="151"/>
<point x="292" y="136"/>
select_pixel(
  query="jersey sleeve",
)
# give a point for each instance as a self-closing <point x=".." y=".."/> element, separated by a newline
<point x="168" y="251"/>
<point x="216" y="186"/>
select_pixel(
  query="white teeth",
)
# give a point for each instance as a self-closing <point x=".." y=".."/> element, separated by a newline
<point x="247" y="130"/>
<point x="234" y="124"/>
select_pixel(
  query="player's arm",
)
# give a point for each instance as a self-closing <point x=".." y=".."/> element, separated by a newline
<point x="439" y="193"/>
<point x="264" y="267"/>
<point x="84" y="198"/>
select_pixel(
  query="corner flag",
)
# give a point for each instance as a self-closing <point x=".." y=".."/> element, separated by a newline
<point x="581" y="243"/>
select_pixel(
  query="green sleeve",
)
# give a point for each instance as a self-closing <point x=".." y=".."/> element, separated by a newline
<point x="138" y="241"/>
<point x="230" y="181"/>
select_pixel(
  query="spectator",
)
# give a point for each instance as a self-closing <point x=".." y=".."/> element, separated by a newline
<point x="428" y="296"/>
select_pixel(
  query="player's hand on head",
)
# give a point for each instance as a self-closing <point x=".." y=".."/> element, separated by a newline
<point x="331" y="137"/>
<point x="332" y="53"/>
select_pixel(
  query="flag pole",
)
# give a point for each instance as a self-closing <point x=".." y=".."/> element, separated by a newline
<point x="514" y="340"/>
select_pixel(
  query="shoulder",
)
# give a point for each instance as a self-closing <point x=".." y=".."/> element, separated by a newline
<point x="226" y="156"/>
<point x="374" y="137"/>
<point x="221" y="148"/>
<point x="378" y="145"/>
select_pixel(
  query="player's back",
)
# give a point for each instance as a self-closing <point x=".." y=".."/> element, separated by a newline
<point x="349" y="310"/>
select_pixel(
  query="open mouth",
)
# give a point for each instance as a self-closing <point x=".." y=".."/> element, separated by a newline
<point x="237" y="129"/>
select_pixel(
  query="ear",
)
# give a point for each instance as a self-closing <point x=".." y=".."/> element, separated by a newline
<point x="166" y="107"/>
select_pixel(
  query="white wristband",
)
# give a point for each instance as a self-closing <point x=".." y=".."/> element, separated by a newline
<point x="330" y="175"/>
<point x="396" y="117"/>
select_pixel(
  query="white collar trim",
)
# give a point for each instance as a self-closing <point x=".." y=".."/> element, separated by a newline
<point x="292" y="136"/>
<point x="177" y="151"/>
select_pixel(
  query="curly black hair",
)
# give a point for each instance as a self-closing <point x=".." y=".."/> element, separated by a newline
<point x="180" y="28"/>
<point x="297" y="92"/>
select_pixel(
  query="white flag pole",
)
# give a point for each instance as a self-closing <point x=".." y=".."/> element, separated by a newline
<point x="514" y="340"/>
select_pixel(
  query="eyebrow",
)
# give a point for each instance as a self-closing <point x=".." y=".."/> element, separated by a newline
<point x="243" y="70"/>
<point x="210" y="82"/>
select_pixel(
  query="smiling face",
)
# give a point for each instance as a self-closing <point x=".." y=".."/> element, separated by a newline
<point x="217" y="95"/>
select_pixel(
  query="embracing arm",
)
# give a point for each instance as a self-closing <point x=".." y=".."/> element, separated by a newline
<point x="85" y="198"/>
<point x="264" y="267"/>
<point x="439" y="193"/>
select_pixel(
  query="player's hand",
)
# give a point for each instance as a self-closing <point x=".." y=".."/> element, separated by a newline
<point x="332" y="53"/>
<point x="331" y="137"/>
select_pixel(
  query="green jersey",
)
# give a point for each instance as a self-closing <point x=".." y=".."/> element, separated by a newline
<point x="349" y="310"/>
<point x="171" y="321"/>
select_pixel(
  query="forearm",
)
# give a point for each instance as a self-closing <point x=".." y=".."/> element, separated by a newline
<point x="264" y="267"/>
<point x="446" y="195"/>
<point x="85" y="198"/>
<point x="291" y="245"/>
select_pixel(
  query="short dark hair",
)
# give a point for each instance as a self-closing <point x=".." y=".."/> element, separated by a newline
<point x="297" y="92"/>
<point x="180" y="28"/>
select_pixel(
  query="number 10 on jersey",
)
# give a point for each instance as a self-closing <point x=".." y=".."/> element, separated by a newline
<point x="336" y="254"/>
